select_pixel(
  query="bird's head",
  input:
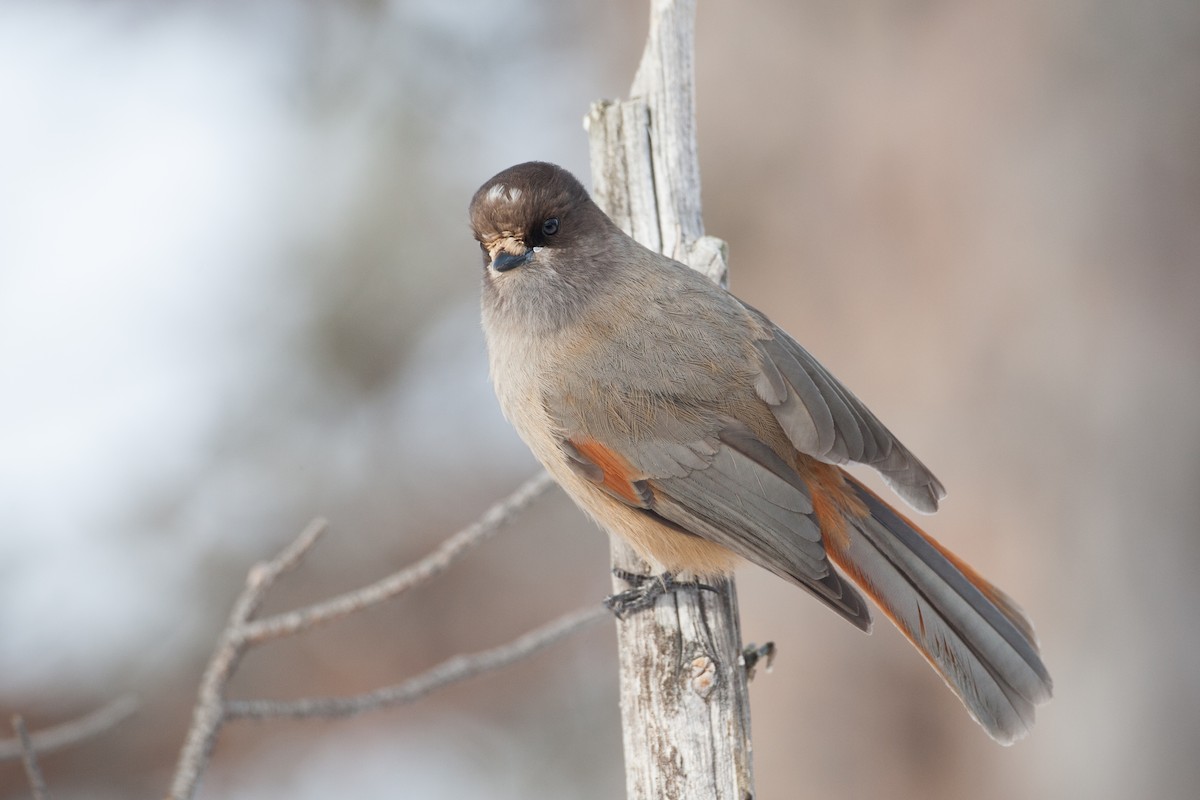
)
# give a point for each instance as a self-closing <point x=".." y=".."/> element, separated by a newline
<point x="543" y="240"/>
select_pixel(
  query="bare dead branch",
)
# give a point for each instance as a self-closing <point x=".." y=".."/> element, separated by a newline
<point x="29" y="757"/>
<point x="241" y="632"/>
<point x="266" y="573"/>
<point x="73" y="732"/>
<point x="453" y="670"/>
<point x="429" y="567"/>
<point x="208" y="714"/>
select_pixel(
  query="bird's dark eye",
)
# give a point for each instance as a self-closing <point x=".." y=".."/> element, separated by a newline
<point x="550" y="226"/>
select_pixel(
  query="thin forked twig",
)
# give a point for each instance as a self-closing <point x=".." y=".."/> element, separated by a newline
<point x="68" y="733"/>
<point x="241" y="632"/>
<point x="209" y="712"/>
<point x="29" y="757"/>
<point x="453" y="670"/>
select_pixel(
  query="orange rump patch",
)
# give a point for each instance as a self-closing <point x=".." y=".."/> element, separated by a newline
<point x="832" y="500"/>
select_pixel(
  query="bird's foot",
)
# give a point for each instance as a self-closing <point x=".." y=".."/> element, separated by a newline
<point x="644" y="591"/>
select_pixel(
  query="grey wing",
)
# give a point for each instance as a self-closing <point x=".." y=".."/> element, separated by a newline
<point x="823" y="419"/>
<point x="733" y="490"/>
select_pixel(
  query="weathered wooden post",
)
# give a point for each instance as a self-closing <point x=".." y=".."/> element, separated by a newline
<point x="684" y="702"/>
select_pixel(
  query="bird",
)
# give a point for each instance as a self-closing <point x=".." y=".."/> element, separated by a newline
<point x="683" y="420"/>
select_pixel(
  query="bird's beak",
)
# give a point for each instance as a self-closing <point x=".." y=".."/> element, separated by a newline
<point x="504" y="260"/>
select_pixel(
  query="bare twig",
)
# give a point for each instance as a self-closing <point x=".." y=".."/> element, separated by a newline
<point x="458" y="668"/>
<point x="209" y="712"/>
<point x="422" y="571"/>
<point x="29" y="757"/>
<point x="241" y="632"/>
<point x="69" y="733"/>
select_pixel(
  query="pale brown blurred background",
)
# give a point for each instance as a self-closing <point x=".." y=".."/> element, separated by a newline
<point x="237" y="289"/>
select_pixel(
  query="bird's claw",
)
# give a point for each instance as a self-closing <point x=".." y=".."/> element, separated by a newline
<point x="644" y="591"/>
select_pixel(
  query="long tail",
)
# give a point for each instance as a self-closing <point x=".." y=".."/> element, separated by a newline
<point x="974" y="635"/>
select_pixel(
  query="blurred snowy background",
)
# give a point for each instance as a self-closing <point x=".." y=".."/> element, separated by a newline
<point x="237" y="290"/>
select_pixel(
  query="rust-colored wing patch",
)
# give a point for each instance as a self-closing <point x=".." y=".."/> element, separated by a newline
<point x="609" y="470"/>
